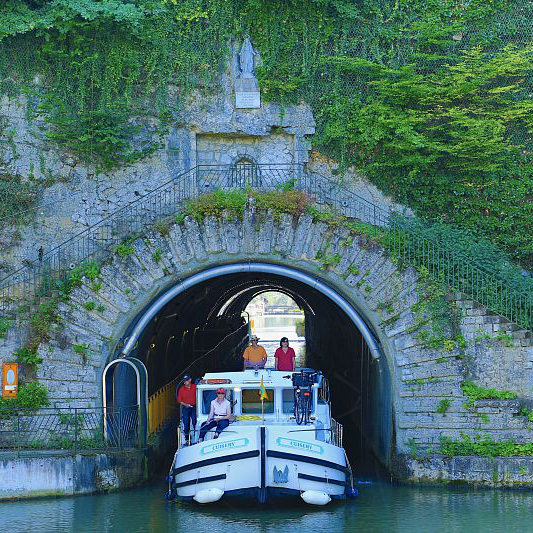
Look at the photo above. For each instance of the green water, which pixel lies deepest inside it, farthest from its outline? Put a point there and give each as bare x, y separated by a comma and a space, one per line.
381, 507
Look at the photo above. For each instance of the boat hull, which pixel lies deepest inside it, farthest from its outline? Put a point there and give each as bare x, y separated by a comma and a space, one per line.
260, 462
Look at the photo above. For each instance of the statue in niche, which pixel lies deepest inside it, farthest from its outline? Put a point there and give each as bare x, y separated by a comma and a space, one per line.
246, 59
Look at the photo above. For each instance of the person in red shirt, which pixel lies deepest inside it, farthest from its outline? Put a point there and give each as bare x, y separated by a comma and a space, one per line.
284, 356
187, 401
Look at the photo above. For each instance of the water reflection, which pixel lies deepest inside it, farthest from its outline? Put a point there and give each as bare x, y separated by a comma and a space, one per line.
381, 507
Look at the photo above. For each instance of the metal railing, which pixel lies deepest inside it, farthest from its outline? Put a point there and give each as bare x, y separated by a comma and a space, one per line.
162, 406
336, 433
410, 245
69, 428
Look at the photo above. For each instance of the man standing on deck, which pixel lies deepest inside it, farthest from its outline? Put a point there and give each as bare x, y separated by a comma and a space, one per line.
255, 356
187, 400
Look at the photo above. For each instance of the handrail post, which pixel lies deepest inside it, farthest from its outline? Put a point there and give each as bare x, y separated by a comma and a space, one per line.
75, 428
19, 440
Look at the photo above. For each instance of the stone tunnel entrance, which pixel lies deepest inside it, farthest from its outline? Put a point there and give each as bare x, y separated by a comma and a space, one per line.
201, 328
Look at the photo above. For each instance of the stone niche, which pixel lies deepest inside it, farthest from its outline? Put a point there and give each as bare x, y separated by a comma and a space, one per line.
227, 149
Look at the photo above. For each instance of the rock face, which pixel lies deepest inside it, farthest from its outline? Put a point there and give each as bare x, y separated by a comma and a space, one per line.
206, 130
73, 196
421, 377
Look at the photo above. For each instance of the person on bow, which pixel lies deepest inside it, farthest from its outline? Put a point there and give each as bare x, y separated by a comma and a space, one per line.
255, 355
284, 356
187, 400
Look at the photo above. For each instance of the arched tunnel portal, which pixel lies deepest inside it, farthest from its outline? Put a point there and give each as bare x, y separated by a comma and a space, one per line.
180, 329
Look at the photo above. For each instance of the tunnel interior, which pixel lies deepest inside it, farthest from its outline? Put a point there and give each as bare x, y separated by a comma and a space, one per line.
205, 328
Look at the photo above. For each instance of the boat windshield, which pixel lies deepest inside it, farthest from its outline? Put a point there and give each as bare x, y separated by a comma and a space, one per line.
251, 402
209, 395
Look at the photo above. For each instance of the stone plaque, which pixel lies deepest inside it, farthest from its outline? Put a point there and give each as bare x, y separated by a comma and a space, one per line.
247, 100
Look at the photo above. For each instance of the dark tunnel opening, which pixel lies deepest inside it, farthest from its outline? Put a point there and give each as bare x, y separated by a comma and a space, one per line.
204, 329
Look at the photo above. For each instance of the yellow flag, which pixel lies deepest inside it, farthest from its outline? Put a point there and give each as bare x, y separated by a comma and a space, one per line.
263, 393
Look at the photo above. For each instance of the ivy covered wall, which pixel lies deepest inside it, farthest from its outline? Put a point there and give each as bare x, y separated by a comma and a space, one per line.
431, 99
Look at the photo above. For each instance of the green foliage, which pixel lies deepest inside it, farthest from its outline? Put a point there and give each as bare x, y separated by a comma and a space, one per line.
353, 270
100, 308
106, 67
90, 306
28, 355
5, 324
124, 249
443, 405
96, 286
506, 339
87, 269
30, 396
157, 255
80, 348
17, 196
216, 203
424, 97
483, 446
526, 412
474, 392
328, 260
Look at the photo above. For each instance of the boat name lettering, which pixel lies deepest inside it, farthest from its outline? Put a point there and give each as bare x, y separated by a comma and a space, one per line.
301, 445
221, 446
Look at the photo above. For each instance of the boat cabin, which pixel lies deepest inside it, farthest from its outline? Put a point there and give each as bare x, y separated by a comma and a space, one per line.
243, 392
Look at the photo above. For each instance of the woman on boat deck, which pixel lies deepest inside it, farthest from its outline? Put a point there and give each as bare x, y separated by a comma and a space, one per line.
284, 356
219, 415
255, 356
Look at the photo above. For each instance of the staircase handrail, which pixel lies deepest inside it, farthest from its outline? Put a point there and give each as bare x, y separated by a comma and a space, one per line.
457, 270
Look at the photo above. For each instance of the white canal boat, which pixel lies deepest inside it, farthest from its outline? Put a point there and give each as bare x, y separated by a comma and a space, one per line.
287, 445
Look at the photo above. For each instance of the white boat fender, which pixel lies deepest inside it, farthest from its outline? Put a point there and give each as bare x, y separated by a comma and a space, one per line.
208, 495
315, 497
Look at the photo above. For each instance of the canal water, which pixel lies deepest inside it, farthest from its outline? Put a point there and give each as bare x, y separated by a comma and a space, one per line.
381, 507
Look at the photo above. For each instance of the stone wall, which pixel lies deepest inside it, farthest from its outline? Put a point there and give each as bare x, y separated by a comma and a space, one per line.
421, 377
275, 148
63, 474
73, 195
497, 472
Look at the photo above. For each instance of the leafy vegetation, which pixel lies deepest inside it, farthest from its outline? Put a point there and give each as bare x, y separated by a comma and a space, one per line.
216, 203
427, 98
473, 392
484, 446
30, 396
5, 323
443, 405
45, 318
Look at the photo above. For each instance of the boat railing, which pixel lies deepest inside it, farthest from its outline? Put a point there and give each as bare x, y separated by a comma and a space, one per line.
336, 432
323, 391
180, 436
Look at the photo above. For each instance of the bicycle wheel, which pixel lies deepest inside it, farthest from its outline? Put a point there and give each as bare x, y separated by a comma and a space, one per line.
306, 408
299, 411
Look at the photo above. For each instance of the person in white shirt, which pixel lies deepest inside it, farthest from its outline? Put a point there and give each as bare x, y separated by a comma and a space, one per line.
219, 415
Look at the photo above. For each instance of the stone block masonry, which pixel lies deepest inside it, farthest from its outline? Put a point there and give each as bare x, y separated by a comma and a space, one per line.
427, 398
63, 474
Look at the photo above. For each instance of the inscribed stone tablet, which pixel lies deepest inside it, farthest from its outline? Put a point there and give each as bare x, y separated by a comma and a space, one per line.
248, 100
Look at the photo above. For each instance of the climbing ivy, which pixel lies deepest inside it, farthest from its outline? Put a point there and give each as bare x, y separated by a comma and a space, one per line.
46, 317
425, 97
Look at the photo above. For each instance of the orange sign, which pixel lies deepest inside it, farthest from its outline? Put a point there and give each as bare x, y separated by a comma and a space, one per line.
10, 380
